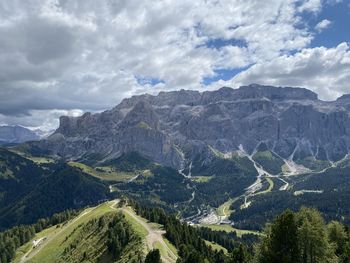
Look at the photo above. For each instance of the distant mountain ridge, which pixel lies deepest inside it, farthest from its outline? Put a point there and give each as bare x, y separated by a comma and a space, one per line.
174, 128
16, 134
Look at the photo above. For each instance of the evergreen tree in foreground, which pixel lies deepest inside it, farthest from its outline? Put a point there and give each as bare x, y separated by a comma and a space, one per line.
281, 241
240, 255
339, 236
153, 257
303, 237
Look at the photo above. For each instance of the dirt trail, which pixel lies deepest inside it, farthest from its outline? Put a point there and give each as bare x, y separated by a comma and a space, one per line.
154, 236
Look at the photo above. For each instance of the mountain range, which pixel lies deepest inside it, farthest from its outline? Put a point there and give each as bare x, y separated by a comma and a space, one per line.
16, 134
174, 128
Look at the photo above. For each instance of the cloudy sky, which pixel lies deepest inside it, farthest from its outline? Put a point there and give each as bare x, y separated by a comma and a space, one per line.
61, 57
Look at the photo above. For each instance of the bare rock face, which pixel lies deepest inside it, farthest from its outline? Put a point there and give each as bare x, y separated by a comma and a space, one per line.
175, 127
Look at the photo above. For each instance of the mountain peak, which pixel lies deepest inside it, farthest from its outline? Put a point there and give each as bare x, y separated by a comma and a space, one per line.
345, 97
16, 134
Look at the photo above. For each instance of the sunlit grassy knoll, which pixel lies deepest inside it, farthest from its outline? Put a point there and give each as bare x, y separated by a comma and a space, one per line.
40, 160
103, 173
229, 228
224, 209
216, 246
201, 179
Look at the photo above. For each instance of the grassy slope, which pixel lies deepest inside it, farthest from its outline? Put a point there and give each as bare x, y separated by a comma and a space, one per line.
271, 162
228, 229
149, 232
104, 173
38, 160
216, 246
224, 209
314, 164
51, 249
59, 237
201, 179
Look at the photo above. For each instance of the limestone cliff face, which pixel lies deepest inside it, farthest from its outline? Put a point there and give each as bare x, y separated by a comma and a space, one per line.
175, 127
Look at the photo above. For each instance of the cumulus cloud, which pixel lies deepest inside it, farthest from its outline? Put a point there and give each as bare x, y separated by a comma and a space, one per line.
59, 55
310, 5
323, 70
324, 24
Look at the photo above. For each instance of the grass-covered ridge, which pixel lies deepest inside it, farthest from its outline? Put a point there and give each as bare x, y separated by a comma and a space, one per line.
107, 173
109, 232
97, 234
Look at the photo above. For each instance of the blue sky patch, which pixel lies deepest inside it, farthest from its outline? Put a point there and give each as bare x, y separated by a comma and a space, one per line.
222, 74
338, 31
217, 43
145, 80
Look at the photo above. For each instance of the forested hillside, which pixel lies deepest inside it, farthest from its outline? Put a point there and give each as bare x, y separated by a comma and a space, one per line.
29, 191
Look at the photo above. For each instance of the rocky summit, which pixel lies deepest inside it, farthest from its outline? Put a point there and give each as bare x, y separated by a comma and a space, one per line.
174, 128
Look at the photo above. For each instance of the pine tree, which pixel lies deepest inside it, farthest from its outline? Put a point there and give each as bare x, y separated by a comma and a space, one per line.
301, 237
240, 255
339, 237
153, 256
313, 240
280, 243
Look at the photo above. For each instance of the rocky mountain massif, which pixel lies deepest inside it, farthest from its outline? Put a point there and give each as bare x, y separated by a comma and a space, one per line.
16, 134
174, 128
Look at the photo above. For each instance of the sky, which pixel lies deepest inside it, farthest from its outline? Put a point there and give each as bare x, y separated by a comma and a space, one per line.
65, 57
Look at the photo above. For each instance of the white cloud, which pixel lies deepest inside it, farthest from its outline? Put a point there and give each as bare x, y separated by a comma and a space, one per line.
310, 5
87, 54
324, 24
47, 120
323, 70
